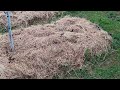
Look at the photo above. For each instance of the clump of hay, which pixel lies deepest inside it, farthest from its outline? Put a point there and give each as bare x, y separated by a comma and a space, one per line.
27, 18
41, 50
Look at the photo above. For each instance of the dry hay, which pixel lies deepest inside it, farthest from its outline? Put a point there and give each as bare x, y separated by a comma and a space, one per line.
41, 50
27, 18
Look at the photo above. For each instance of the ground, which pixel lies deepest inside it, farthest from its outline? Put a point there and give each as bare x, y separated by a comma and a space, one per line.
106, 65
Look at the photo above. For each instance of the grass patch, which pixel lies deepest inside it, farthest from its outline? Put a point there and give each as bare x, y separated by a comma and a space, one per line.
2, 30
106, 65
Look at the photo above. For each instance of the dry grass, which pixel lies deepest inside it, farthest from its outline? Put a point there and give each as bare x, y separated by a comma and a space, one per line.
41, 50
27, 18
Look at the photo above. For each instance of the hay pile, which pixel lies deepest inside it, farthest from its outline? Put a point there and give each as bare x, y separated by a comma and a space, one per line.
27, 18
41, 50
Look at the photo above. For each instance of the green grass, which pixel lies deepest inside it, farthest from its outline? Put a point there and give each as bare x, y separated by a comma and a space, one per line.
2, 30
107, 65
